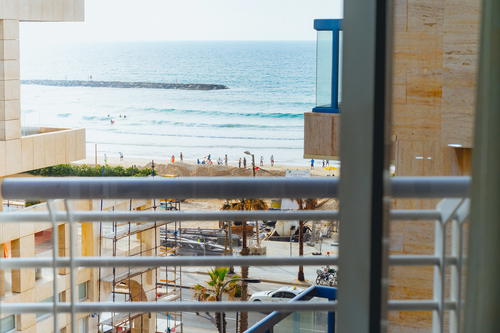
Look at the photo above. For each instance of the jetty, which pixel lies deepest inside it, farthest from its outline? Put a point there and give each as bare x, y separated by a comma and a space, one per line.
123, 84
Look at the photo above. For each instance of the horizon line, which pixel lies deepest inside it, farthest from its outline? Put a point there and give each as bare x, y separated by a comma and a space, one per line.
170, 40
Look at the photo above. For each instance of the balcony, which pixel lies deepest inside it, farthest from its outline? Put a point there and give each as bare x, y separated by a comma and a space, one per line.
322, 125
41, 147
447, 260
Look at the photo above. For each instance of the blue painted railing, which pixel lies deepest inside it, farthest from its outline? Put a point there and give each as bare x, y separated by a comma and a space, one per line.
266, 325
335, 26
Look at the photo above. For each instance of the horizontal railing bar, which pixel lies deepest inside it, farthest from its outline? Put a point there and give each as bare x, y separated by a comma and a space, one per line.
44, 188
415, 214
143, 261
200, 216
430, 187
13, 263
106, 216
420, 260
124, 307
418, 305
179, 188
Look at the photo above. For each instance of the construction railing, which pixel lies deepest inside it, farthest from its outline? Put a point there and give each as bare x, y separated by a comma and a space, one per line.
451, 212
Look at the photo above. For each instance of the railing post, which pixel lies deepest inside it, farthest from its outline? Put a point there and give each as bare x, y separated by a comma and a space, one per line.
483, 289
454, 325
438, 292
449, 209
365, 130
331, 322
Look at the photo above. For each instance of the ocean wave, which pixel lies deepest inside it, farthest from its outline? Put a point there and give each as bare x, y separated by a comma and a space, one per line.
219, 125
232, 125
95, 118
275, 115
208, 136
63, 115
177, 145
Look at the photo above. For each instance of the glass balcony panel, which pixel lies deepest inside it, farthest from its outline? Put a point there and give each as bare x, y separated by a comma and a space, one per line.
324, 69
341, 39
305, 321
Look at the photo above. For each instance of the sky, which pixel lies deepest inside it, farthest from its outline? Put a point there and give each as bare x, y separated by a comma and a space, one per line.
152, 20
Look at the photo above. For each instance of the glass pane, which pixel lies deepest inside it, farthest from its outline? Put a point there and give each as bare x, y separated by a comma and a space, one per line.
324, 68
341, 39
303, 322
7, 324
40, 316
82, 291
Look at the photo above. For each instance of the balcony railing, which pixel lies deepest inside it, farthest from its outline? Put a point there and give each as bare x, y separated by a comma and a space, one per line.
448, 250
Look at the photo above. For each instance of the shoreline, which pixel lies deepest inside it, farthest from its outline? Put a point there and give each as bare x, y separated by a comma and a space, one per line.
191, 168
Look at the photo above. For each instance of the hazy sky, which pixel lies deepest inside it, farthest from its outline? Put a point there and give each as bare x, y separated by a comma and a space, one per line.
131, 20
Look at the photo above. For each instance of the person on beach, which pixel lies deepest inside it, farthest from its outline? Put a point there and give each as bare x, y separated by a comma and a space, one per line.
198, 161
239, 163
172, 159
272, 160
181, 157
323, 163
261, 160
225, 159
121, 156
312, 164
244, 162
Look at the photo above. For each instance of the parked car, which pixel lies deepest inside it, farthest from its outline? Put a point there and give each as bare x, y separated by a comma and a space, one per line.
283, 294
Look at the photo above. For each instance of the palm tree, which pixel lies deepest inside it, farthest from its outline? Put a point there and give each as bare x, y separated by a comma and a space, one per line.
214, 289
245, 204
305, 204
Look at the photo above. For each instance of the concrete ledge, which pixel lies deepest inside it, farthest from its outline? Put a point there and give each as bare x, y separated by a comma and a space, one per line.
48, 147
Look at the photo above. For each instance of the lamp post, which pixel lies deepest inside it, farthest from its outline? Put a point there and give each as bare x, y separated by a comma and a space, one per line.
253, 161
245, 252
219, 297
253, 172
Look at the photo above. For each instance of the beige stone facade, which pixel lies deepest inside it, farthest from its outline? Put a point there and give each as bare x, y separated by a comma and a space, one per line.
46, 147
27, 149
434, 79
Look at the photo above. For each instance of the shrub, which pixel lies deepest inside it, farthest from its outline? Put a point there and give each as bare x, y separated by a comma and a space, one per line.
69, 170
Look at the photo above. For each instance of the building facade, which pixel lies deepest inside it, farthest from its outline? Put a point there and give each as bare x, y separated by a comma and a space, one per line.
434, 67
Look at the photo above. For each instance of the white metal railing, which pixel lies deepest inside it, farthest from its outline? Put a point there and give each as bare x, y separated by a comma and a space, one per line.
450, 212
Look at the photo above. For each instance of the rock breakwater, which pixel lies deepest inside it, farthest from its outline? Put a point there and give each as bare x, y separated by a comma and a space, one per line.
122, 84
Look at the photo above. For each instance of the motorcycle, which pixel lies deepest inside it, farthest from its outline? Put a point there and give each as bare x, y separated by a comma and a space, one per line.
326, 276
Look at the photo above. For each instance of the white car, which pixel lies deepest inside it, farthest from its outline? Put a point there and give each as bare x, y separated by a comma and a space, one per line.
283, 294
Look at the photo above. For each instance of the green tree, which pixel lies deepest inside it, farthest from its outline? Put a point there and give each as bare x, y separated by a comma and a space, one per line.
213, 290
247, 204
305, 204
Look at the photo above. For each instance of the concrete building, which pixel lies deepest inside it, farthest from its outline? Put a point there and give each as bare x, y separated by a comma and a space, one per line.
435, 56
23, 149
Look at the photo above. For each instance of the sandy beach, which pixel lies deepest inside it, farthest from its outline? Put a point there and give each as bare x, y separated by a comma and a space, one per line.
192, 169
189, 168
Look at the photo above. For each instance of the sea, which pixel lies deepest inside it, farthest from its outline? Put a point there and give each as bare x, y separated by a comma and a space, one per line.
271, 85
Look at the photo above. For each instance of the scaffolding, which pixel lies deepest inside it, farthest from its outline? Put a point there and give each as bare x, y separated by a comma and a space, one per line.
138, 284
